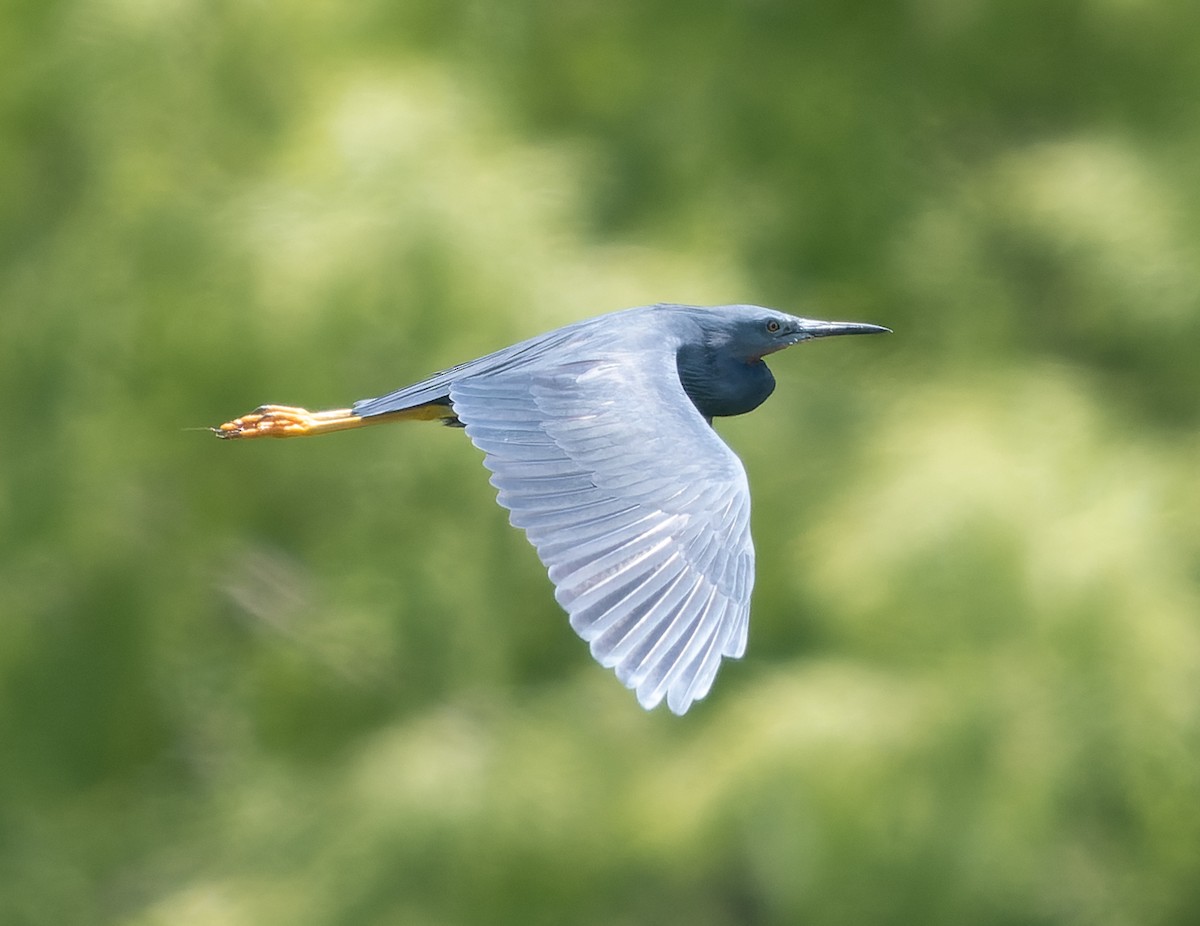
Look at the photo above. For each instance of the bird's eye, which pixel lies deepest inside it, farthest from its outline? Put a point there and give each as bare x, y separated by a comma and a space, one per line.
772, 326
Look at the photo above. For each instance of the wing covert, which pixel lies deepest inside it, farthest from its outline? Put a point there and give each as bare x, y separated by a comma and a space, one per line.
637, 508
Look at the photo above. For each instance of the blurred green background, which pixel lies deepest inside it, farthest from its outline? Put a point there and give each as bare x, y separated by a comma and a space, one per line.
326, 683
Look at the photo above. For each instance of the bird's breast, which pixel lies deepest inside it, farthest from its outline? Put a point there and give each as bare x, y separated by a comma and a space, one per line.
720, 385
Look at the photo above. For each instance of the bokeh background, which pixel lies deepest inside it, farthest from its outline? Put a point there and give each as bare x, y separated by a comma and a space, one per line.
326, 683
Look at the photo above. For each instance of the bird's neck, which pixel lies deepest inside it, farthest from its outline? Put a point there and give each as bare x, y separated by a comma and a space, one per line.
720, 384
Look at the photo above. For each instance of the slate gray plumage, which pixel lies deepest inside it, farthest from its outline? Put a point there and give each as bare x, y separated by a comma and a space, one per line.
599, 439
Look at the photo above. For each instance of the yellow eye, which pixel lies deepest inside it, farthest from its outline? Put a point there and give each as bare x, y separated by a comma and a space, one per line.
772, 326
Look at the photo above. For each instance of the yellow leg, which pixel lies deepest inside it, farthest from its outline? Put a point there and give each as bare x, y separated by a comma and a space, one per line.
286, 421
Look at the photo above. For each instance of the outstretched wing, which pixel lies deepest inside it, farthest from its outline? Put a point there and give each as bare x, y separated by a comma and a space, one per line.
639, 511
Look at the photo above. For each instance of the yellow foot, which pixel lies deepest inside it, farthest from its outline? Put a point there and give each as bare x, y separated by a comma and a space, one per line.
285, 421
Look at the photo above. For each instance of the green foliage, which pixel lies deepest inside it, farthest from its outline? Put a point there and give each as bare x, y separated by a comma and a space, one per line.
326, 683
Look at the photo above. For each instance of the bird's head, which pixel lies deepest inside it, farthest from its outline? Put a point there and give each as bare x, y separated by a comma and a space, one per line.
751, 332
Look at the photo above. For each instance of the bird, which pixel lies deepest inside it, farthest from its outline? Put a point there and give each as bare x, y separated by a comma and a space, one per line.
600, 441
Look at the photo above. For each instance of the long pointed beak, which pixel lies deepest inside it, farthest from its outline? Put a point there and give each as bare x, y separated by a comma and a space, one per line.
818, 329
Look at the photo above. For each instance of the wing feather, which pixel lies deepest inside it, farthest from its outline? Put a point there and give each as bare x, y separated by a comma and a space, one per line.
639, 511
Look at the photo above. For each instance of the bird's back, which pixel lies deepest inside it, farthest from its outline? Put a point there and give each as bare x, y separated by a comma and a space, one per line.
641, 328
